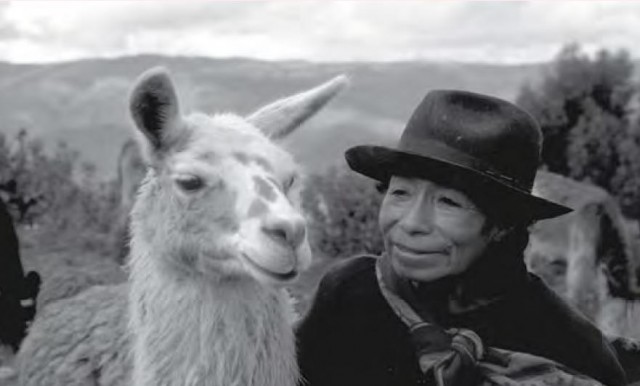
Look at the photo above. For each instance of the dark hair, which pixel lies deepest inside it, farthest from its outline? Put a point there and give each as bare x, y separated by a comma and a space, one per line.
382, 186
512, 244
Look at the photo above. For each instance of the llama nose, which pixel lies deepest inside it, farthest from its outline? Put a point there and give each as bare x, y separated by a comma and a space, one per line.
285, 231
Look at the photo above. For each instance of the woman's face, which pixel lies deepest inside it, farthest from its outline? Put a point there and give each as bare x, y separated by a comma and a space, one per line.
431, 231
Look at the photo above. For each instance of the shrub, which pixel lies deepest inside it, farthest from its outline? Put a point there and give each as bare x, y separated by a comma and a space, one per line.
53, 191
343, 208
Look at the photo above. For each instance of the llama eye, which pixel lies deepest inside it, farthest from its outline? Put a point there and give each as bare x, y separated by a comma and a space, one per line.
190, 183
289, 183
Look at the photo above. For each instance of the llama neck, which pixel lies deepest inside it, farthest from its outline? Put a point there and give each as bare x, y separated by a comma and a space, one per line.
199, 332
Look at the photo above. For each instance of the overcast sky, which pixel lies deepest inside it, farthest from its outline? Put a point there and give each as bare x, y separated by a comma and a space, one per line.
449, 30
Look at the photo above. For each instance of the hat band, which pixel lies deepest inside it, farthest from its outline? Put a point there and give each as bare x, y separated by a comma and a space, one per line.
440, 151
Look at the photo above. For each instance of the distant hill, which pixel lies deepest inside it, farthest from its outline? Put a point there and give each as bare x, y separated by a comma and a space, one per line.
84, 102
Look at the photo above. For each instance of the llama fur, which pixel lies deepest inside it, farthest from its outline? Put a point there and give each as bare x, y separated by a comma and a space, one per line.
72, 280
81, 340
242, 333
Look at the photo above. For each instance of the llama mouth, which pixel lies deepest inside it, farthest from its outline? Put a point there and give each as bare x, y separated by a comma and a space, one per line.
278, 276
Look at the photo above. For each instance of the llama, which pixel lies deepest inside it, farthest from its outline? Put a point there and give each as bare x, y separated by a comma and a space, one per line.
598, 252
216, 231
130, 172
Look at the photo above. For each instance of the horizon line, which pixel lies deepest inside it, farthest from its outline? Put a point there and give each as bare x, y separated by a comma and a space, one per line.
284, 60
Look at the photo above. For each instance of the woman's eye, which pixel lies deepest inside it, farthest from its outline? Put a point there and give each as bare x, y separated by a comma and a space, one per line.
397, 192
450, 202
190, 183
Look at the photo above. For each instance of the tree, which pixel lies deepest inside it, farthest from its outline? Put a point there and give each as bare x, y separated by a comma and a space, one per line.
584, 107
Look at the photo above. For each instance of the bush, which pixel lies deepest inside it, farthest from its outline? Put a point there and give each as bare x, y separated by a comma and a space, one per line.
55, 192
588, 112
343, 208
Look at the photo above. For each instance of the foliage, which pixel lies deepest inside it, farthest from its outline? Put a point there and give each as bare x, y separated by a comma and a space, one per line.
53, 191
343, 209
585, 109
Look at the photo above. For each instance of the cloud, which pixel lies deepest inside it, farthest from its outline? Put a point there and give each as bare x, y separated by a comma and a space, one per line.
7, 29
502, 31
104, 28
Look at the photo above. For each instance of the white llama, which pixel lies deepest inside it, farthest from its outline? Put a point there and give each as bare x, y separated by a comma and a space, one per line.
213, 223
216, 230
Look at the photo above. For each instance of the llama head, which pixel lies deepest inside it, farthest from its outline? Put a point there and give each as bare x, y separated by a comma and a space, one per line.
221, 198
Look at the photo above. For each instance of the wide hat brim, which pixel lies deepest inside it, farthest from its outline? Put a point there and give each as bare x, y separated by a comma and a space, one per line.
380, 163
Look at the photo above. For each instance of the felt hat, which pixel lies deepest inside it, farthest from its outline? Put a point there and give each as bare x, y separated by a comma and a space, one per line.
482, 140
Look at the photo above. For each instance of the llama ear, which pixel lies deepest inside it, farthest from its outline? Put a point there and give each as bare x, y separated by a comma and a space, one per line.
154, 106
282, 117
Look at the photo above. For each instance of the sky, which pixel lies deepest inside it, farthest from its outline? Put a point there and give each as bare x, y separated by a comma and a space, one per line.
507, 32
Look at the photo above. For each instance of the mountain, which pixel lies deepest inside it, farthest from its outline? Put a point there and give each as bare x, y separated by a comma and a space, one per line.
84, 102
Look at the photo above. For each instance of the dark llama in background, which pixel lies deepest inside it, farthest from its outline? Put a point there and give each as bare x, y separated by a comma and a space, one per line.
17, 292
216, 231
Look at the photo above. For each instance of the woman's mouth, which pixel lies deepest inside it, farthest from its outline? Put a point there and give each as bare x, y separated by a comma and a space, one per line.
417, 252
412, 259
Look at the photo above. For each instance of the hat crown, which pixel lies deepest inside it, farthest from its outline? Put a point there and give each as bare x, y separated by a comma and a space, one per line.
490, 135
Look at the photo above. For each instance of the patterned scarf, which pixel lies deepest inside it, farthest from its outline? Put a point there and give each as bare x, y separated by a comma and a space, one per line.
457, 356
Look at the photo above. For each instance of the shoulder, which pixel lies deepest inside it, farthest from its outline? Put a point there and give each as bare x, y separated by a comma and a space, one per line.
550, 313
561, 328
349, 271
347, 282
541, 300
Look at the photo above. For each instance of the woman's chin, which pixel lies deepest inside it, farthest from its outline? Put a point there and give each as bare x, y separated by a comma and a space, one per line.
423, 273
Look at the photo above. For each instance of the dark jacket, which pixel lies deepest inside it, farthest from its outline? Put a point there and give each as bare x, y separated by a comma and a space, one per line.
352, 337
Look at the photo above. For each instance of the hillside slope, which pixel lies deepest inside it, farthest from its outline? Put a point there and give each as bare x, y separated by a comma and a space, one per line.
84, 102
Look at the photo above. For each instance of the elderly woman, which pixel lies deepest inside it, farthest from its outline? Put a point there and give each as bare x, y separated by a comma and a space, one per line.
450, 301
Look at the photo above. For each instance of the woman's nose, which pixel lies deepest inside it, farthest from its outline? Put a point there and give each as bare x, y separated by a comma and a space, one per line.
419, 217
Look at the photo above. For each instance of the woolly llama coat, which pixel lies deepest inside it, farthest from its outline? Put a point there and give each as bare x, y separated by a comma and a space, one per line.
82, 340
